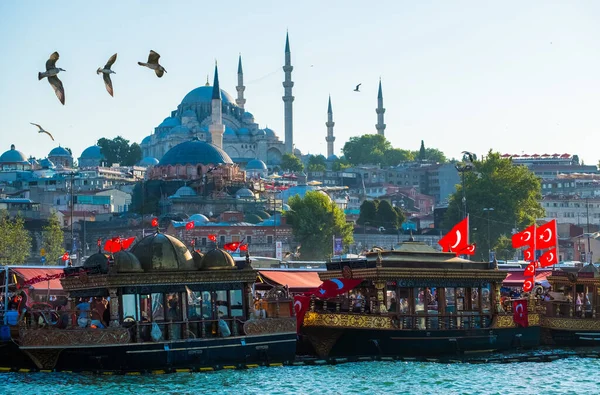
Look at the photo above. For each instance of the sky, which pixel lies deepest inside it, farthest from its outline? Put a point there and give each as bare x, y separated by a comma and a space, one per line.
512, 76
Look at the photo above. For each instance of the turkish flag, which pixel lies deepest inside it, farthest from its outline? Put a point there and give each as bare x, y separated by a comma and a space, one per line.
65, 256
244, 247
520, 312
457, 239
301, 305
546, 236
113, 245
528, 284
549, 258
154, 222
468, 250
126, 243
232, 246
524, 238
528, 254
529, 270
190, 225
336, 286
212, 238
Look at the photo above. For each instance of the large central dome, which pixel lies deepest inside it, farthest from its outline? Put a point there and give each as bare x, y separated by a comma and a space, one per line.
195, 152
203, 94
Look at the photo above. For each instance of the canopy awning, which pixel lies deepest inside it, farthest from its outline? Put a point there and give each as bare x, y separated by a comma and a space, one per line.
28, 274
515, 279
300, 281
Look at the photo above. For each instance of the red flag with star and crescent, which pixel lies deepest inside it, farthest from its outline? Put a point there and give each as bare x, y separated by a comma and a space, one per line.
301, 304
546, 236
528, 254
336, 286
457, 239
525, 238
520, 312
468, 250
548, 258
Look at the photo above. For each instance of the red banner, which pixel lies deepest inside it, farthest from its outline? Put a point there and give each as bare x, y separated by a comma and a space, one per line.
301, 305
520, 312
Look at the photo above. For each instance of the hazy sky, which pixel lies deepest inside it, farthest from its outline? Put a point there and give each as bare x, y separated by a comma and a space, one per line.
514, 76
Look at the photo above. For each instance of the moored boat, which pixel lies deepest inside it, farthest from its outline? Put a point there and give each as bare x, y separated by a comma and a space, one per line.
156, 307
416, 301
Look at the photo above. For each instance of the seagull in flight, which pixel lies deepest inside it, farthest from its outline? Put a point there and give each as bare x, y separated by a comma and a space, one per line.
469, 155
153, 64
41, 130
357, 89
51, 73
106, 72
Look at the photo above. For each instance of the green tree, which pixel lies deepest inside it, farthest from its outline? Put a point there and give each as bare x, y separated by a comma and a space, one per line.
430, 154
119, 151
316, 163
422, 152
512, 191
53, 239
291, 162
315, 220
366, 149
340, 164
15, 240
368, 212
395, 156
387, 216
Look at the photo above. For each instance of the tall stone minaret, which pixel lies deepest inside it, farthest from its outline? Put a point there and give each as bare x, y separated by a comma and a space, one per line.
288, 99
380, 111
240, 88
330, 124
216, 127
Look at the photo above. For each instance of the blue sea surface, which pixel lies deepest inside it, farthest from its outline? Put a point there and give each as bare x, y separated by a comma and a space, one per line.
565, 376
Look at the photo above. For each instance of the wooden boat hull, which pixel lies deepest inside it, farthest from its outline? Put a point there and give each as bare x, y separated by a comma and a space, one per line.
571, 332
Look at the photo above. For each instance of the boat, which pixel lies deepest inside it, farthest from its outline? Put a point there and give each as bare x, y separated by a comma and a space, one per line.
571, 307
156, 307
415, 301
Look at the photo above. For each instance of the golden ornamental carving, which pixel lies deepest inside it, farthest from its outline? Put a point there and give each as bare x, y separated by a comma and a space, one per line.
341, 320
506, 320
399, 273
72, 337
324, 340
572, 324
44, 359
270, 325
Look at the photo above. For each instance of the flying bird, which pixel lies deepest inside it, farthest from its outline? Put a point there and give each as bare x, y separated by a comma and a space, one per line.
357, 89
153, 64
41, 130
51, 73
469, 155
106, 72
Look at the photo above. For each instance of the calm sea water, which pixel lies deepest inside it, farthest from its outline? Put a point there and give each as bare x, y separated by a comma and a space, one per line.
565, 376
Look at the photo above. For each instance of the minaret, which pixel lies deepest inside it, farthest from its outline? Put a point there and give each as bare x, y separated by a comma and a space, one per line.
216, 127
288, 98
240, 88
380, 111
330, 124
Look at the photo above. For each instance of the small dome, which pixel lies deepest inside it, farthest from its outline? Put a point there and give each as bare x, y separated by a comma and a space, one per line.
244, 193
243, 131
589, 268
188, 113
161, 252
256, 164
203, 94
195, 152
47, 164
332, 158
299, 190
269, 132
60, 151
199, 218
126, 262
260, 132
148, 161
229, 132
180, 129
170, 122
93, 152
197, 256
248, 115
185, 191
263, 214
13, 156
252, 218
147, 140
285, 207
217, 259
97, 260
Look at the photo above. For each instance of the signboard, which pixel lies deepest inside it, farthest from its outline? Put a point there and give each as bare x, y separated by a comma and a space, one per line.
338, 246
279, 250
43, 252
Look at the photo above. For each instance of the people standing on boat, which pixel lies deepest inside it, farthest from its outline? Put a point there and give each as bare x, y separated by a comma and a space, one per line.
578, 304
84, 312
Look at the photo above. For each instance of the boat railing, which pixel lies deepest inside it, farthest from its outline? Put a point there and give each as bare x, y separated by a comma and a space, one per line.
182, 330
462, 320
567, 309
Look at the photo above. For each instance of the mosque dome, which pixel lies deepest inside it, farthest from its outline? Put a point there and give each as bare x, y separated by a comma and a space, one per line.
179, 129
194, 152
47, 164
244, 193
217, 259
13, 156
197, 256
161, 252
252, 218
299, 190
126, 262
260, 132
188, 113
203, 94
59, 151
229, 132
286, 207
256, 164
148, 161
248, 115
97, 260
93, 152
170, 122
199, 218
269, 132
147, 140
332, 158
185, 191
262, 214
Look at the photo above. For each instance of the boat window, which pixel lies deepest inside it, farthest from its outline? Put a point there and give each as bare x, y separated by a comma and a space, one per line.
460, 299
419, 299
485, 298
158, 309
475, 298
588, 301
450, 302
431, 298
403, 298
237, 309
145, 307
222, 303
207, 306
173, 307
194, 305
130, 308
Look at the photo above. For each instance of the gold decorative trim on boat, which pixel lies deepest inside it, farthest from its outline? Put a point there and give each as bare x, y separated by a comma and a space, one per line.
270, 325
72, 337
348, 321
506, 321
571, 324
